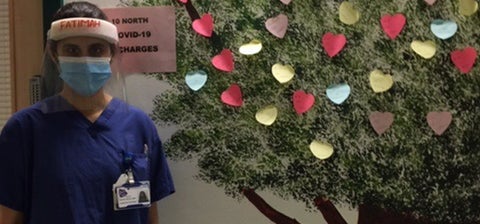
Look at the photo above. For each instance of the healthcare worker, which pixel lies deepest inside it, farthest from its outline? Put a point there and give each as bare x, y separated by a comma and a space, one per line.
83, 155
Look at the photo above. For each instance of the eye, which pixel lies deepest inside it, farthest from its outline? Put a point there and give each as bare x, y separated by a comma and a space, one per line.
71, 50
98, 50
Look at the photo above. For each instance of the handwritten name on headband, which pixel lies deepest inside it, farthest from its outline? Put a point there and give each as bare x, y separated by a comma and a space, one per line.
90, 23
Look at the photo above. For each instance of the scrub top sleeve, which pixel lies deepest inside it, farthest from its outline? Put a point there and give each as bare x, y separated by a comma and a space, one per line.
161, 180
13, 167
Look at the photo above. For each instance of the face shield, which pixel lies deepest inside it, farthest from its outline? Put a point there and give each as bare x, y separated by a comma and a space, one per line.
81, 65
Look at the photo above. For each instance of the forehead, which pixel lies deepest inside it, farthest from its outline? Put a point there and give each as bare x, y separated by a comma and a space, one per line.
82, 41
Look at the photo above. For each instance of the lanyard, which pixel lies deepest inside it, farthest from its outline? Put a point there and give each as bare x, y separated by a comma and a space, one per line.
128, 163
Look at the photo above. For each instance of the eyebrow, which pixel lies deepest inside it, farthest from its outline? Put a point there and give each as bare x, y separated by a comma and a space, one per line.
69, 45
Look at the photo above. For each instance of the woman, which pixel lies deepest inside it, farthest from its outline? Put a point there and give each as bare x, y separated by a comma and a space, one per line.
82, 155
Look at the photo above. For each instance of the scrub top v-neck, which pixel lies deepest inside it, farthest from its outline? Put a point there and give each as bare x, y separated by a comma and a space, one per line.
64, 165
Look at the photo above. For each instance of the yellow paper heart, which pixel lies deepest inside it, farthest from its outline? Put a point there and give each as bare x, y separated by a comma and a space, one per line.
267, 115
426, 49
253, 47
321, 150
348, 14
468, 7
380, 82
283, 73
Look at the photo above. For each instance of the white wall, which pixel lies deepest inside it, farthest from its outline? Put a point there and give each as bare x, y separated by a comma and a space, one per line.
196, 202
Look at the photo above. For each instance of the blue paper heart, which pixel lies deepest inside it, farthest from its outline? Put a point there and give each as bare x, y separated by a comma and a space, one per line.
338, 93
196, 79
443, 29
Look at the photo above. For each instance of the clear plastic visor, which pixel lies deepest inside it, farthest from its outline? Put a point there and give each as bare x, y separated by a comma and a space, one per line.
81, 73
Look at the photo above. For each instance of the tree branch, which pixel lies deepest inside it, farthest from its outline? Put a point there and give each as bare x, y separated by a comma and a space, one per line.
328, 210
272, 214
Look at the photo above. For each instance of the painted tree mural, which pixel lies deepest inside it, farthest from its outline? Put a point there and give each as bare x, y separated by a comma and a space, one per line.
371, 103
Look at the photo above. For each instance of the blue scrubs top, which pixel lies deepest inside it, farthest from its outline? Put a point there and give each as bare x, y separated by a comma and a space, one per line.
58, 167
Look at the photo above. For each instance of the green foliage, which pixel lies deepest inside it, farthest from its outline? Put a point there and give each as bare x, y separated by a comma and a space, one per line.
408, 168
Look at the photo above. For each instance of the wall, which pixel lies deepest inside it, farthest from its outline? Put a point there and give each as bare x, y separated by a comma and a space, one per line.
198, 202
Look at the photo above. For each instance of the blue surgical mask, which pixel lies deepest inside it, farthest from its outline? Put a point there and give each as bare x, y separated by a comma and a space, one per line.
85, 75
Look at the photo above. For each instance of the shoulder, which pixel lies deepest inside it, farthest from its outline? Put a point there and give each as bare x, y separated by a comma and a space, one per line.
132, 113
27, 114
33, 114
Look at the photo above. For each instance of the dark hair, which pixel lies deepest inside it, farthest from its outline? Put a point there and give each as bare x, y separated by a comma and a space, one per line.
79, 9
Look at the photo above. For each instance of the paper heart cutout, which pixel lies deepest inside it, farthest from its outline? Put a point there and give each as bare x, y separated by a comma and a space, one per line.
393, 25
286, 2
338, 93
251, 48
467, 7
232, 96
224, 61
348, 14
183, 1
333, 44
380, 82
277, 25
321, 150
196, 79
302, 102
430, 2
439, 121
204, 25
283, 73
443, 29
381, 121
267, 115
464, 59
426, 49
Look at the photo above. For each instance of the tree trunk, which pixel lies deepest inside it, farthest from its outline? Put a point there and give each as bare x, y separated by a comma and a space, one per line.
329, 211
272, 214
368, 214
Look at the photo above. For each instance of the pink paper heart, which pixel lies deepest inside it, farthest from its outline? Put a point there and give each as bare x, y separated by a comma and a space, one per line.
439, 121
286, 2
333, 44
232, 96
224, 61
277, 25
430, 2
302, 102
183, 1
381, 121
204, 25
464, 59
393, 25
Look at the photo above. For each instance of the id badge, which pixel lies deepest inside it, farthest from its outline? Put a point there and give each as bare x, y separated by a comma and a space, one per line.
132, 196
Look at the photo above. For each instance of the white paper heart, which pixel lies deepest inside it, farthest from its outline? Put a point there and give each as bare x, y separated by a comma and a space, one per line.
196, 79
338, 93
443, 29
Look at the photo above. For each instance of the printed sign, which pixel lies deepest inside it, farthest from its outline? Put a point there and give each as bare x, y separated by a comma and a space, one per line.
147, 38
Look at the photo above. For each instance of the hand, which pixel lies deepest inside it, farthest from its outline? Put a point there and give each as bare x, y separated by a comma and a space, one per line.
10, 216
152, 214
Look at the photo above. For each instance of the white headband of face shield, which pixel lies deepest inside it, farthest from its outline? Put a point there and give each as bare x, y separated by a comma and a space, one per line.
82, 26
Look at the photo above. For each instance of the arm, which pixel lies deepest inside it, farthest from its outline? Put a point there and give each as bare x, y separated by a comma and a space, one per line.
152, 214
9, 216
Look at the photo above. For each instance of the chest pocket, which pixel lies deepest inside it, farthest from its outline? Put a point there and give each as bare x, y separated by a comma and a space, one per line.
140, 163
141, 168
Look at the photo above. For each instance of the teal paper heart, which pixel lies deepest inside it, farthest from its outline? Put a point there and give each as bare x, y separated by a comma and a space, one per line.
338, 93
443, 29
196, 79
